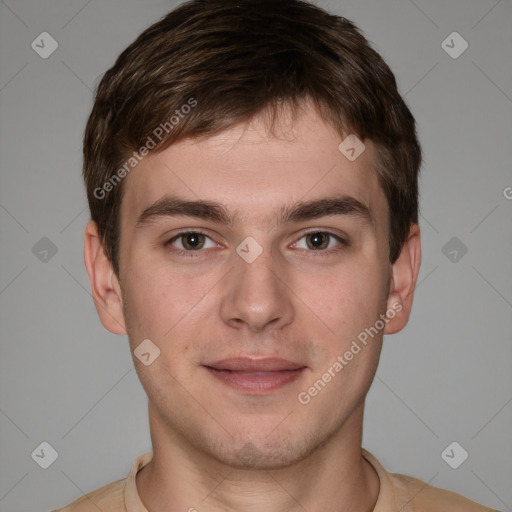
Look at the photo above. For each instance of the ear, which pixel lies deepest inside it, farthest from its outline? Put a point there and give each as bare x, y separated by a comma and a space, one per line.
106, 291
404, 274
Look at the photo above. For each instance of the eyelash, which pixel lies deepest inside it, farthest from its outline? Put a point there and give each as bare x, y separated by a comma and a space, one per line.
181, 252
343, 243
192, 254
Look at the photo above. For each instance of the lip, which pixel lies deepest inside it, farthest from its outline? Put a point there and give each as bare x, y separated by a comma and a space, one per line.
255, 376
251, 364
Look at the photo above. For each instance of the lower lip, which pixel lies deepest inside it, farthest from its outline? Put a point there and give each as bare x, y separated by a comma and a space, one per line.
256, 382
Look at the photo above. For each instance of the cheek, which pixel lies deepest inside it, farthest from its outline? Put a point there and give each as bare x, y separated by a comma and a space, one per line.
151, 303
349, 299
172, 310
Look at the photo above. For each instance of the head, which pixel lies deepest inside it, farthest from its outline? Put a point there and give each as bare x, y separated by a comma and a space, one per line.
226, 120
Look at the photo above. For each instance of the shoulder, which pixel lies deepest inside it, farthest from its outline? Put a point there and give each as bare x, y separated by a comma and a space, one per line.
419, 496
113, 497
109, 497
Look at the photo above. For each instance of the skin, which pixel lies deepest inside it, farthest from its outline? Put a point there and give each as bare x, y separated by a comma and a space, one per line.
217, 448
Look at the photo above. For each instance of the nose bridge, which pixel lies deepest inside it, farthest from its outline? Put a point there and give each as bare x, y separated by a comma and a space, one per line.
261, 272
256, 296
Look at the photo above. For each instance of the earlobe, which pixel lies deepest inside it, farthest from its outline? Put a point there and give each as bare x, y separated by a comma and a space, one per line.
403, 282
105, 288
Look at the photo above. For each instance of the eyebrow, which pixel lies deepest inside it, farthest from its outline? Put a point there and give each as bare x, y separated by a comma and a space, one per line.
171, 206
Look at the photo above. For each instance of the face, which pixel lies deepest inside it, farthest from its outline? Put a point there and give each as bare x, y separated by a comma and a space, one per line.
258, 293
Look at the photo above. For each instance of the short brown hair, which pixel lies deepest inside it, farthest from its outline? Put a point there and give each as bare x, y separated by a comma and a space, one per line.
232, 60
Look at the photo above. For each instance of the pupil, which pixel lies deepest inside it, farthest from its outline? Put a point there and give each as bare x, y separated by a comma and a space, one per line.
193, 240
317, 240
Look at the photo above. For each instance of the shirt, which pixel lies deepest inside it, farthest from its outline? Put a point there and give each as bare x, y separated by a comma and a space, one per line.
398, 493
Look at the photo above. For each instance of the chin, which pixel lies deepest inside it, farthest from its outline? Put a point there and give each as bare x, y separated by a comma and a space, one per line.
263, 451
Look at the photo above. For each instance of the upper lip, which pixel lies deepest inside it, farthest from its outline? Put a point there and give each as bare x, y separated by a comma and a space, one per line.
249, 364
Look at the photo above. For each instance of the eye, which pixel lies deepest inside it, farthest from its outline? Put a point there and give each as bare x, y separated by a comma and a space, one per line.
319, 241
191, 241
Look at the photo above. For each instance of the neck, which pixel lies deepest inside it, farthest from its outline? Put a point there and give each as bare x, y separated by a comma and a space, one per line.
333, 477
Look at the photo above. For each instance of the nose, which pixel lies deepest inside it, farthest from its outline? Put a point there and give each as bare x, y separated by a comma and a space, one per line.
256, 296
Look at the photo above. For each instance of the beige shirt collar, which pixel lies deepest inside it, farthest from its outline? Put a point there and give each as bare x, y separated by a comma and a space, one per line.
385, 500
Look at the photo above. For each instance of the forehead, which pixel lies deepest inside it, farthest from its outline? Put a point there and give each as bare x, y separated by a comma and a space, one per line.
254, 172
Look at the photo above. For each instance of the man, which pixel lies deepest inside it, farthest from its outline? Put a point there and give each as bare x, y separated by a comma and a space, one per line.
252, 176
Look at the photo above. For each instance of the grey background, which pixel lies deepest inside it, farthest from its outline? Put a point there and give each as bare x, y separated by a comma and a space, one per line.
447, 377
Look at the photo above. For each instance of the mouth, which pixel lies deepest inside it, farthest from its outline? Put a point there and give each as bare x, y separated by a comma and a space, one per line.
255, 376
